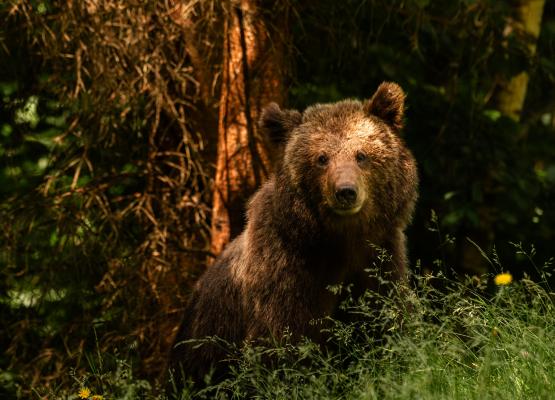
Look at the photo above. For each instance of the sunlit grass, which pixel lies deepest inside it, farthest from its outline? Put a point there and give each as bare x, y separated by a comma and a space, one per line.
460, 340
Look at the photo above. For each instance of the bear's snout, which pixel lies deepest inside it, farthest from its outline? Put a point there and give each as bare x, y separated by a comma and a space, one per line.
346, 195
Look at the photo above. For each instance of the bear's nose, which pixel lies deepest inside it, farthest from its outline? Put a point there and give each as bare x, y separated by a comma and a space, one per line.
346, 195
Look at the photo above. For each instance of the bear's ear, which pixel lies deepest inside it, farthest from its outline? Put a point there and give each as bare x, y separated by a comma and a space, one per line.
388, 103
278, 123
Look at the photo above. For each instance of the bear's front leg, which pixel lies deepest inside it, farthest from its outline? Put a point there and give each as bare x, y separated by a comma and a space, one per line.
292, 305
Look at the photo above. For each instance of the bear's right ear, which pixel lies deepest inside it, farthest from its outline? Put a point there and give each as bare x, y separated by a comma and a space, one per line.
278, 123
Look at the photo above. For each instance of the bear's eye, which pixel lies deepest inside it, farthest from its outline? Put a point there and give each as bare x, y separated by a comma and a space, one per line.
323, 159
361, 157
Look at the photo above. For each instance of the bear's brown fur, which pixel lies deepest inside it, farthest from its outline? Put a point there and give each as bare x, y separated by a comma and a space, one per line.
345, 180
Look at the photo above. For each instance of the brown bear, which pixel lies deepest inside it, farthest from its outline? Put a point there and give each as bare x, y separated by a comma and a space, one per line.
344, 180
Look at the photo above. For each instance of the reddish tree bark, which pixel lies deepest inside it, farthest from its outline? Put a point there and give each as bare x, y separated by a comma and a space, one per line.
252, 76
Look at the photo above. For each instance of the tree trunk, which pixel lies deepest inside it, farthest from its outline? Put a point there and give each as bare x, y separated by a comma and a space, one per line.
510, 100
528, 18
252, 76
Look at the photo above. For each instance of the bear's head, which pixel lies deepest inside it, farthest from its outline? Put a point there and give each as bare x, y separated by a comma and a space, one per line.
347, 158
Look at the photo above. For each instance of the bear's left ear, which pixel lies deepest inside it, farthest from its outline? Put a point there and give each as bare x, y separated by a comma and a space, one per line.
278, 123
388, 103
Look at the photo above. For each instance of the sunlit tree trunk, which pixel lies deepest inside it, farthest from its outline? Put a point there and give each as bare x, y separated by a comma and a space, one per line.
252, 75
528, 18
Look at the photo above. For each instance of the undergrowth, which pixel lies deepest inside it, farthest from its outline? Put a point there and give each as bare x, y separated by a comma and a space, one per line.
478, 338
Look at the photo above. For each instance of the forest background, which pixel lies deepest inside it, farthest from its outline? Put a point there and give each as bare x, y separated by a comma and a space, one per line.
129, 145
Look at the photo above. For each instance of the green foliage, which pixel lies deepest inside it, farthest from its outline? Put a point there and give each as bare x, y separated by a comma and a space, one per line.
109, 376
454, 343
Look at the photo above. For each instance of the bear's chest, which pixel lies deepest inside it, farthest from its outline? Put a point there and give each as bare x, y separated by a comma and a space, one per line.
337, 260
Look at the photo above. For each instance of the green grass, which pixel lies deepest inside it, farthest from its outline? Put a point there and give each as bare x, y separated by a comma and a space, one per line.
455, 343
460, 340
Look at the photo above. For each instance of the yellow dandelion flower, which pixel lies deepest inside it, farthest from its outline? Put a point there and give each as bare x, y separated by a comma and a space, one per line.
503, 279
84, 393
97, 397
